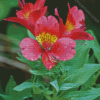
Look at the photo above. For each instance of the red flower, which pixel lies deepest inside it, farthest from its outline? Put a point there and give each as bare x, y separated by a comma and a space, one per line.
75, 25
53, 47
29, 14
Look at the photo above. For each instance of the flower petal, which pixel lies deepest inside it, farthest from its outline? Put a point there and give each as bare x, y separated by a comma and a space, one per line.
29, 7
61, 25
31, 49
39, 4
80, 16
47, 24
79, 34
47, 60
23, 1
52, 21
52, 25
20, 4
35, 15
70, 22
20, 14
22, 22
75, 16
73, 9
63, 49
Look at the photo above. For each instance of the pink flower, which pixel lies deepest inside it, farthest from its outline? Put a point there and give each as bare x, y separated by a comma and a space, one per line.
48, 45
29, 14
75, 25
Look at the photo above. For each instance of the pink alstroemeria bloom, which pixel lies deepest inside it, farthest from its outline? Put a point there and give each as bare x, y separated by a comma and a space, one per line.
75, 25
53, 47
29, 14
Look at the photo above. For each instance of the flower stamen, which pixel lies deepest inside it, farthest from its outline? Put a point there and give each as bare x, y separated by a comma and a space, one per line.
46, 37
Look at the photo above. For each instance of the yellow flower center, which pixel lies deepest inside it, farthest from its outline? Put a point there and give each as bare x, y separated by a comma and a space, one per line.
27, 14
46, 37
69, 26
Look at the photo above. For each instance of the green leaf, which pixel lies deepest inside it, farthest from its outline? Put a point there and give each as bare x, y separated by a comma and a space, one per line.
38, 97
55, 84
21, 95
62, 67
41, 72
66, 86
31, 35
16, 32
5, 9
36, 72
89, 83
23, 86
10, 85
36, 89
79, 60
92, 59
32, 64
5, 97
81, 75
48, 97
12, 3
94, 45
83, 95
47, 94
22, 59
13, 94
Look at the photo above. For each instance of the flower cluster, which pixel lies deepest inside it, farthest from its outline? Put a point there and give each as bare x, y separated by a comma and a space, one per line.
54, 40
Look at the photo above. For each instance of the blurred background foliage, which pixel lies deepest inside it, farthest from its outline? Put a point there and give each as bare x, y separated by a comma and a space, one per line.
12, 33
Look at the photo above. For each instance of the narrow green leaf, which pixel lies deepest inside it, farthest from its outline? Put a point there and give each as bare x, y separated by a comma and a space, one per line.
23, 86
66, 86
84, 73
36, 89
38, 97
20, 59
21, 95
30, 34
92, 59
48, 97
36, 72
79, 60
81, 75
94, 45
5, 97
55, 84
83, 95
10, 85
47, 94
32, 64
89, 83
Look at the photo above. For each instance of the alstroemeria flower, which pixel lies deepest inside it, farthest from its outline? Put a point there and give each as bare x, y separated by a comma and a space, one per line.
48, 44
75, 25
29, 14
